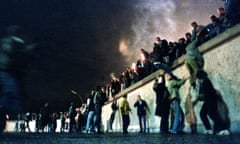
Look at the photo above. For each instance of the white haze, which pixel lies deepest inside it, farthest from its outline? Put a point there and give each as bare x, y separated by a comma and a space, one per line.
168, 19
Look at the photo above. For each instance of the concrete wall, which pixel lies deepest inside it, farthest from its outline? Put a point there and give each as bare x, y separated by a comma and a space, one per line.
221, 56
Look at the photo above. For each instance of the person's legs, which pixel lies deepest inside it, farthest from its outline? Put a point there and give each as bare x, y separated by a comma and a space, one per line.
89, 120
140, 123
125, 123
144, 120
98, 111
112, 119
192, 68
204, 118
177, 116
165, 119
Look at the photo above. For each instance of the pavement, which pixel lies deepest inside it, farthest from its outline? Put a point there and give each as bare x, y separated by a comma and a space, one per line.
115, 138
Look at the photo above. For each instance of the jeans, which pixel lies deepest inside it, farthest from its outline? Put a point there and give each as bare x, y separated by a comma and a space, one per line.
162, 66
97, 120
178, 122
89, 120
142, 122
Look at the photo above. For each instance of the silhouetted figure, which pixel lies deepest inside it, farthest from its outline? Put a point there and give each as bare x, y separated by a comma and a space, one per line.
27, 118
62, 119
99, 99
213, 107
72, 113
163, 103
114, 107
45, 116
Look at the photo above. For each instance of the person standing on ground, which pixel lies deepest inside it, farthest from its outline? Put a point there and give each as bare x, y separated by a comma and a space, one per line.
173, 86
142, 109
72, 113
125, 109
45, 116
162, 102
91, 112
114, 107
99, 99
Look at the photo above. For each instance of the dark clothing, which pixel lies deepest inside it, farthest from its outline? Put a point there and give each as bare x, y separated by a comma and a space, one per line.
116, 87
99, 99
90, 104
232, 11
126, 122
143, 69
141, 107
45, 116
72, 114
114, 109
157, 53
213, 106
163, 105
213, 30
141, 111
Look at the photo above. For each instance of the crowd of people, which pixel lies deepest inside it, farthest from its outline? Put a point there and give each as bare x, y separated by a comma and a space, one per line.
167, 86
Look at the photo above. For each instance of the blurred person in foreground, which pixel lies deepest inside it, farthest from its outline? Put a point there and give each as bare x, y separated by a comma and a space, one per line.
14, 58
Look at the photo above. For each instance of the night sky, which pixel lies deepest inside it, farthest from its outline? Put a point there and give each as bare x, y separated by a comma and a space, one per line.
80, 42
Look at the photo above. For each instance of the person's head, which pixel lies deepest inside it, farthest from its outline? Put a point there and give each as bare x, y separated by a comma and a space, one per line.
138, 97
158, 39
164, 43
167, 76
213, 19
181, 40
194, 24
188, 35
221, 11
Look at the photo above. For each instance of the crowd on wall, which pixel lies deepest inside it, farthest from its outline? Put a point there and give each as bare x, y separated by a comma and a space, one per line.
87, 119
